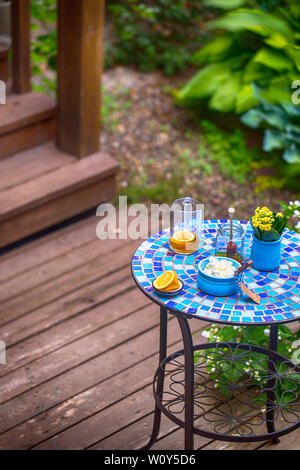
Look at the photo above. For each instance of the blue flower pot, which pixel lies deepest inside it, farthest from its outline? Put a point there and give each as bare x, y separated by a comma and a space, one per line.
217, 286
265, 255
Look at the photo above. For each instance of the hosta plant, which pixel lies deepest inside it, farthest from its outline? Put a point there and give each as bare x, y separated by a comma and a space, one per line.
250, 46
282, 126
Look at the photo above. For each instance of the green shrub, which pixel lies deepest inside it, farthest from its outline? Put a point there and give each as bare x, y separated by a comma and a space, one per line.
288, 346
154, 34
229, 151
150, 35
248, 68
283, 123
44, 46
251, 46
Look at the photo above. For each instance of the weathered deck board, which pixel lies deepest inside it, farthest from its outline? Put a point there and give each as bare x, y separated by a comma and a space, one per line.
82, 349
101, 265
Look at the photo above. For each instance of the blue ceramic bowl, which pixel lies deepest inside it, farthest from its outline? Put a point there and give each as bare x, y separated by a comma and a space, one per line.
220, 287
170, 293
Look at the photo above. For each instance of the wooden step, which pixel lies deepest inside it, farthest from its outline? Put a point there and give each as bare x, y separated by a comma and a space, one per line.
4, 63
26, 121
44, 186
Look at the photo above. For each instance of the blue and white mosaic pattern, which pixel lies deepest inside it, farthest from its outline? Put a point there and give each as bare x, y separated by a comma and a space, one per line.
279, 290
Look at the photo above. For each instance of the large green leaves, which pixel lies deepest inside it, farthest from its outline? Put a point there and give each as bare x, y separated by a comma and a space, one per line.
273, 116
292, 154
205, 82
225, 4
224, 98
249, 67
273, 140
276, 40
245, 98
283, 128
217, 49
259, 22
294, 53
274, 59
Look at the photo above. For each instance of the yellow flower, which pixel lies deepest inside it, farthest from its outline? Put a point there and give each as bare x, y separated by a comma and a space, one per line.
265, 227
280, 214
265, 211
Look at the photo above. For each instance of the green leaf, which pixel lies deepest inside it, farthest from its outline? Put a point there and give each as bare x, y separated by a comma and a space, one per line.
252, 118
271, 114
291, 109
224, 98
215, 50
225, 4
256, 232
293, 133
254, 335
296, 357
255, 72
294, 53
245, 99
273, 94
276, 40
259, 22
292, 154
273, 140
270, 236
205, 82
273, 59
285, 332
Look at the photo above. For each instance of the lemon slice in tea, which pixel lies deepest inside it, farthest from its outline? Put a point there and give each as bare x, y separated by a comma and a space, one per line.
184, 236
183, 241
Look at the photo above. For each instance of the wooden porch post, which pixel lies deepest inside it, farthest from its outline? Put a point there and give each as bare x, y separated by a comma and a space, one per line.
80, 38
20, 25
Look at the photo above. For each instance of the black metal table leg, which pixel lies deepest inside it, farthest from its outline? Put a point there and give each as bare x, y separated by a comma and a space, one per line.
271, 384
161, 376
189, 382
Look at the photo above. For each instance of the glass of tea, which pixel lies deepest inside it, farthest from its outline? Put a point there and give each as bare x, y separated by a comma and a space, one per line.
186, 225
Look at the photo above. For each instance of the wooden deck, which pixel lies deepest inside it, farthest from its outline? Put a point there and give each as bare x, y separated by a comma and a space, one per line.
82, 345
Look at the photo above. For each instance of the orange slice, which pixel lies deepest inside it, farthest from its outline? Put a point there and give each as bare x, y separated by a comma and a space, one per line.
173, 286
164, 280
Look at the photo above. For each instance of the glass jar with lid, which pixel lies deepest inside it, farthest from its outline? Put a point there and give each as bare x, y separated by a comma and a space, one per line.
230, 243
186, 225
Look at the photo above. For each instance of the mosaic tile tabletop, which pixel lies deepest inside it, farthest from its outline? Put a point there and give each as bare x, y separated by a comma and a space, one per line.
279, 290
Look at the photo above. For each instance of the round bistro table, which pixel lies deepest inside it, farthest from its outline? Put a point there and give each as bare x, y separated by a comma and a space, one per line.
195, 387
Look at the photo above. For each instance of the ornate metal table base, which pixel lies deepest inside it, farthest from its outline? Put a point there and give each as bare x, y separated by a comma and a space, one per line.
226, 391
